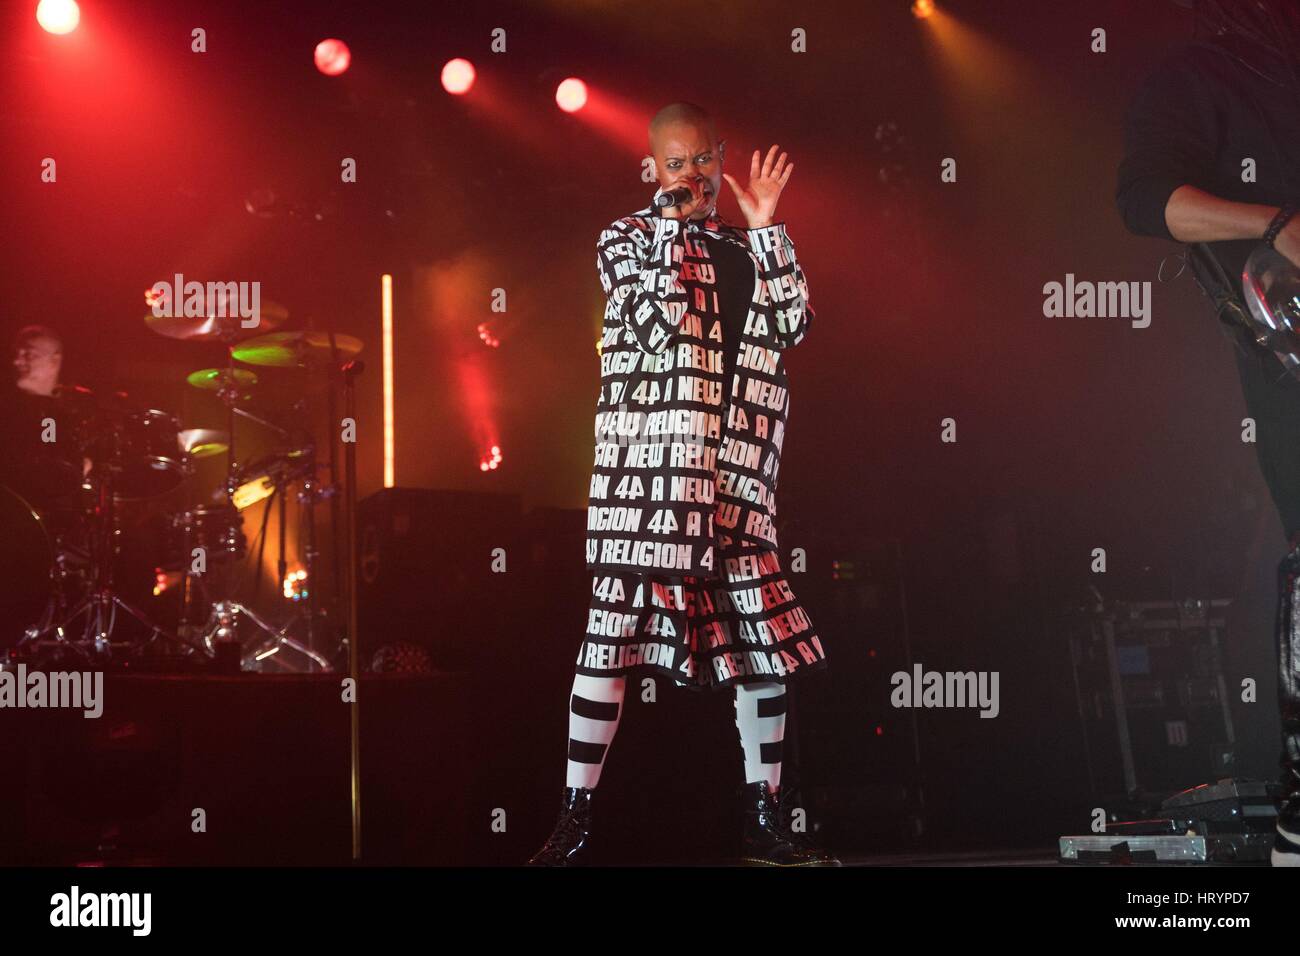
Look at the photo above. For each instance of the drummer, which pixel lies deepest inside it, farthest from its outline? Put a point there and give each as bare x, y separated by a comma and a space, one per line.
37, 360
37, 443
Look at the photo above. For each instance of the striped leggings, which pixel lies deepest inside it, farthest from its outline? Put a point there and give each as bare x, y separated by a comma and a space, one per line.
596, 705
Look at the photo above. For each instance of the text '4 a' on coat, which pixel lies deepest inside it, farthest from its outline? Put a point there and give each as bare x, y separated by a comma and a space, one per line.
670, 487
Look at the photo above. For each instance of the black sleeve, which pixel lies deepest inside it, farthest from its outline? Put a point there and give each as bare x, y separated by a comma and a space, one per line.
1170, 137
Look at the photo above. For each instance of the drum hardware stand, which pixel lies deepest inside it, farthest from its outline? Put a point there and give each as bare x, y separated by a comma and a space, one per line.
276, 638
223, 619
56, 608
101, 604
307, 496
223, 622
221, 627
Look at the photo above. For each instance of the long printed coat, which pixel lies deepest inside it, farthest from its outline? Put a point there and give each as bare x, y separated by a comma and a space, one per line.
670, 487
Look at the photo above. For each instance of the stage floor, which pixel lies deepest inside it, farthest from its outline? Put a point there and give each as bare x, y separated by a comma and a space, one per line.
1045, 857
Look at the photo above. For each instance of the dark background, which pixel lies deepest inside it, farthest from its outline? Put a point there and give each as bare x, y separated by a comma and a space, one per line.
1072, 433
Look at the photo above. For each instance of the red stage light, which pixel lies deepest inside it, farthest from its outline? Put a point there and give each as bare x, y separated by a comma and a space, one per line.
571, 95
58, 16
332, 57
922, 8
457, 76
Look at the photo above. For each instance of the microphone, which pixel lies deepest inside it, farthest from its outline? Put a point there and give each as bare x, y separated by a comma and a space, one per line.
676, 197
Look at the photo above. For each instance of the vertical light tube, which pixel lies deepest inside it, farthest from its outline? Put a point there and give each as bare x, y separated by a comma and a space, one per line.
389, 465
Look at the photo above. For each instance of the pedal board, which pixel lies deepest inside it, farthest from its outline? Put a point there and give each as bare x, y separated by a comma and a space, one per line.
1228, 821
1119, 849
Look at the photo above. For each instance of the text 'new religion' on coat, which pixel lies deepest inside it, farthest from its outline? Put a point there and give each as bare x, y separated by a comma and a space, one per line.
670, 488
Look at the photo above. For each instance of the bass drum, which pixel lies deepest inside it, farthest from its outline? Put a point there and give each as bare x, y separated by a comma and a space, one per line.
26, 560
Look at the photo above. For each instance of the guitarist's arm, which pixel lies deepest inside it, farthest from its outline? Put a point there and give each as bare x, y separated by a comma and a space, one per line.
1172, 134
1193, 215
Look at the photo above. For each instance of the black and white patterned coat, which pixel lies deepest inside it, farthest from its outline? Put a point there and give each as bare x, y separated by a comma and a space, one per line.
670, 485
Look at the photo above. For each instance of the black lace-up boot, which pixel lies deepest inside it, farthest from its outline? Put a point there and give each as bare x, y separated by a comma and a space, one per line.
570, 842
768, 839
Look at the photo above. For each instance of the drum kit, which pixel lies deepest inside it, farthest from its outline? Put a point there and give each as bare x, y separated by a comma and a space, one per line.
62, 594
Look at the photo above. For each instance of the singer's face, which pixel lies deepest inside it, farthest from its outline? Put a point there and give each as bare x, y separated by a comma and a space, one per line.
686, 151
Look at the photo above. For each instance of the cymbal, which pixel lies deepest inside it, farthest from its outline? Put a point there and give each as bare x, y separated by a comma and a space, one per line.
215, 328
215, 379
203, 442
286, 349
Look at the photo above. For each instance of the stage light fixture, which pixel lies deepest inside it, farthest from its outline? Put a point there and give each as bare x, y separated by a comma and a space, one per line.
922, 8
571, 95
457, 76
58, 16
332, 57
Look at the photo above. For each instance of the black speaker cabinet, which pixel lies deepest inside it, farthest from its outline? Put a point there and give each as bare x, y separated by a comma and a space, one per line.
437, 569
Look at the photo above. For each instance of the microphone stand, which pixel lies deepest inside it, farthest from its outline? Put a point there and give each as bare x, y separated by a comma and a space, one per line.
350, 372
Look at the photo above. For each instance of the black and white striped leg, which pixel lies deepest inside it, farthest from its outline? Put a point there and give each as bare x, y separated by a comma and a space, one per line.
595, 707
760, 718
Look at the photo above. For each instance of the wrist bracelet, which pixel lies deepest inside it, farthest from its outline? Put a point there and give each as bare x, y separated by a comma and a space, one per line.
1279, 222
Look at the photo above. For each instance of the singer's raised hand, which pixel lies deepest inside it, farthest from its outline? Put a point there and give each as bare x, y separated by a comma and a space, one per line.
758, 199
